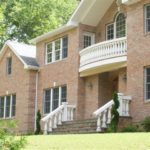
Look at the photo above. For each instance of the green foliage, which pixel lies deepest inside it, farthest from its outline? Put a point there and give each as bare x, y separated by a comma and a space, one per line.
146, 124
115, 114
23, 20
7, 137
38, 126
130, 128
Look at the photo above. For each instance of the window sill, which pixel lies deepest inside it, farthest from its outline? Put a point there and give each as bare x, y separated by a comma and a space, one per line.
56, 61
147, 101
7, 118
147, 34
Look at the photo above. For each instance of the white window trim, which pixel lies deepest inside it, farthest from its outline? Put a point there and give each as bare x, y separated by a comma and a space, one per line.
92, 35
53, 51
145, 18
10, 113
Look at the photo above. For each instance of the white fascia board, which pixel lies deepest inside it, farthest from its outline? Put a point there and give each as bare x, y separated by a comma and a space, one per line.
129, 2
29, 67
53, 33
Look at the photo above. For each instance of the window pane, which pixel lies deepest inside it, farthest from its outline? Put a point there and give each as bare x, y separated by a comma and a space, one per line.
7, 106
1, 107
57, 50
64, 94
13, 113
47, 101
55, 98
49, 52
120, 26
65, 47
110, 32
87, 41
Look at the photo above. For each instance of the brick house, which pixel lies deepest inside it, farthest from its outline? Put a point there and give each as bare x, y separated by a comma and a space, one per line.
103, 48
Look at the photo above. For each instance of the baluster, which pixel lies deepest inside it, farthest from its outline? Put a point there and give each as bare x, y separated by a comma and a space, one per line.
71, 118
99, 124
127, 108
104, 119
109, 115
45, 127
55, 122
50, 125
60, 118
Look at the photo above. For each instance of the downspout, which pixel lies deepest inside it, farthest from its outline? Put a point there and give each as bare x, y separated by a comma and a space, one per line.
36, 99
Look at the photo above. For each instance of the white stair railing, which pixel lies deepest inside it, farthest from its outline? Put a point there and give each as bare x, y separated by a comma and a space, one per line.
103, 114
63, 113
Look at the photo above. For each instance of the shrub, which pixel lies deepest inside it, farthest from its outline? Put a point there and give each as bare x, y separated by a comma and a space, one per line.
8, 140
130, 128
146, 124
115, 114
38, 125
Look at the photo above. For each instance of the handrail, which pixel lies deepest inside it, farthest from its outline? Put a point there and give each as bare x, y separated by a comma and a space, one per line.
104, 115
101, 109
63, 113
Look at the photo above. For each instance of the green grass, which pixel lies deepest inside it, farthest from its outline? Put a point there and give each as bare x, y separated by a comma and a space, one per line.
119, 141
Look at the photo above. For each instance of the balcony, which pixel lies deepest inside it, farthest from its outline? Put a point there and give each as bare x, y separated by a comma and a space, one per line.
104, 56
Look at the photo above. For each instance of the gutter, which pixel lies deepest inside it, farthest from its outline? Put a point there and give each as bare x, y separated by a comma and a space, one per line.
36, 99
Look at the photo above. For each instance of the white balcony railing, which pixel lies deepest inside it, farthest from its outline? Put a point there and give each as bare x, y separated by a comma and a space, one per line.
63, 113
102, 51
103, 114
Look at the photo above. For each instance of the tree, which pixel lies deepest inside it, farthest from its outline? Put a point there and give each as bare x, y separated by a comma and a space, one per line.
26, 19
38, 126
115, 114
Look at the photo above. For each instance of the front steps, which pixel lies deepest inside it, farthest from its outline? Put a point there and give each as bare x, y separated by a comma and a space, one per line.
76, 127
86, 126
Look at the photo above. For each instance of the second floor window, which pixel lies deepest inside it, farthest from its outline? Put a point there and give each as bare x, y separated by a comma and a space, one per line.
116, 29
147, 18
56, 50
89, 39
9, 65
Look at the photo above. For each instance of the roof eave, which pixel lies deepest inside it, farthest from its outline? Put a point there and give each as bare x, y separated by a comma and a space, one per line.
54, 32
29, 67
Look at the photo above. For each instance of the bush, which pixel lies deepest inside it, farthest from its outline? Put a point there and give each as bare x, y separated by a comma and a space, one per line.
38, 126
146, 124
115, 114
130, 128
7, 137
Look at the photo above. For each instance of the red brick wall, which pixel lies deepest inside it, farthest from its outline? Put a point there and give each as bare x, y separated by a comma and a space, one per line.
138, 58
21, 82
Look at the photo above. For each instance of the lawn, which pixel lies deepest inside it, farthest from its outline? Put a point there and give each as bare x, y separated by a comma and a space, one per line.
119, 141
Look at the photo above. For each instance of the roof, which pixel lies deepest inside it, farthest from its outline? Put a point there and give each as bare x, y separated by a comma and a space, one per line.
26, 53
53, 33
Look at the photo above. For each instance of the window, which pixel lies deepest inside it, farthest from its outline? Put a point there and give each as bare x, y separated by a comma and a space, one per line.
116, 29
120, 26
7, 106
57, 50
9, 65
53, 98
110, 31
147, 83
89, 39
147, 18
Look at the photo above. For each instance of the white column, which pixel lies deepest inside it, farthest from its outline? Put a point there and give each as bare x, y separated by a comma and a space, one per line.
45, 127
60, 118
65, 111
120, 109
99, 124
50, 125
109, 115
104, 119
